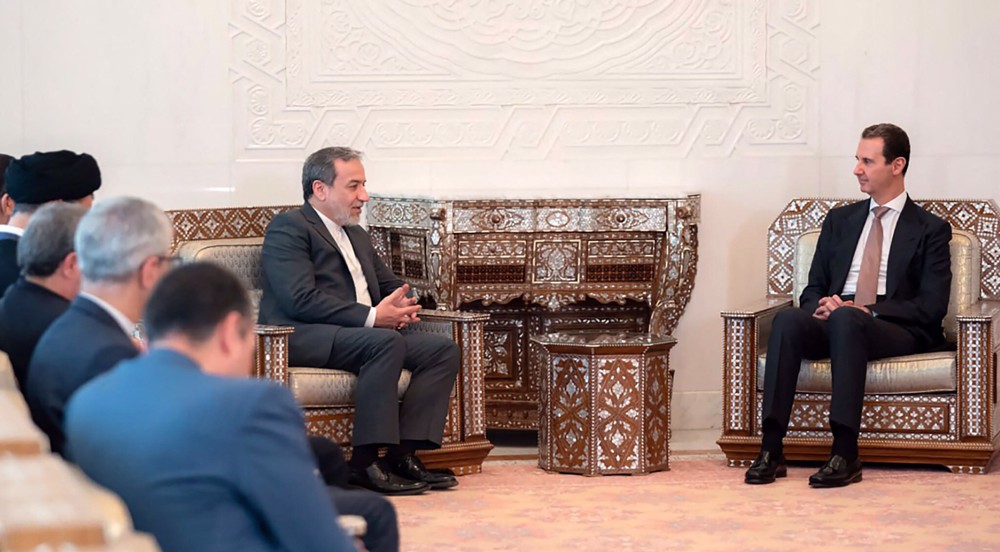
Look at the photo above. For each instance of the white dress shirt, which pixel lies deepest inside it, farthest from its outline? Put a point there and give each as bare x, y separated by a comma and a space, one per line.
127, 325
8, 229
889, 220
350, 257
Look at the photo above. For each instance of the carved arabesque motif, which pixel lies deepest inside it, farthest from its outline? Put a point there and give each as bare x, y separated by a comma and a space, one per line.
523, 78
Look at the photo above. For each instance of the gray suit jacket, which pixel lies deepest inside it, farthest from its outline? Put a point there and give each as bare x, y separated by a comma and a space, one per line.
307, 284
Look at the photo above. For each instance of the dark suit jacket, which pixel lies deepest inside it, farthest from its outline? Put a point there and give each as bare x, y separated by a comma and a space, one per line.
26, 311
307, 284
204, 463
9, 271
81, 344
918, 275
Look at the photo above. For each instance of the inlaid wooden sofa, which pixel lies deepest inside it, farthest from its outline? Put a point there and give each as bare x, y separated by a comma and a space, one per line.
47, 504
233, 237
933, 408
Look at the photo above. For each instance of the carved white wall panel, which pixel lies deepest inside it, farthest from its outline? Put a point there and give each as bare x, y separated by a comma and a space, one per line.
525, 79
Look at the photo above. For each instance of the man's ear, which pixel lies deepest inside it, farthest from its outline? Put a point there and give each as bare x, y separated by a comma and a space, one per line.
6, 204
70, 265
149, 272
320, 190
898, 164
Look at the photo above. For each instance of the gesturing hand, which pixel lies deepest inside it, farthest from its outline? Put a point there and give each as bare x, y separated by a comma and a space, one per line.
397, 310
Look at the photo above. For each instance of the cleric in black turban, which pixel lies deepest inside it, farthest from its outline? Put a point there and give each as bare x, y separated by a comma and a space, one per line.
52, 176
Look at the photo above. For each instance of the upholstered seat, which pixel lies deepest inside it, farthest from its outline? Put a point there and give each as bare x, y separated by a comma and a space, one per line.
233, 237
317, 387
934, 407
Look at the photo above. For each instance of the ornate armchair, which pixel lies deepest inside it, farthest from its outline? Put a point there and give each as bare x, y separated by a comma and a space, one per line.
933, 408
233, 238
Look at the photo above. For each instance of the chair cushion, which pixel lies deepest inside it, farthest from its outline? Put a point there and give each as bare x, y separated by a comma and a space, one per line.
326, 387
923, 373
240, 255
965, 269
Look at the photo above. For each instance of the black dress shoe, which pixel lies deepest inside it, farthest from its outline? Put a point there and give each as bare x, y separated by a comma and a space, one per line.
837, 472
410, 467
766, 468
379, 479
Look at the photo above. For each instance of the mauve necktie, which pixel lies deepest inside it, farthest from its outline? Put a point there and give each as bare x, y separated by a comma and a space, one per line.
871, 260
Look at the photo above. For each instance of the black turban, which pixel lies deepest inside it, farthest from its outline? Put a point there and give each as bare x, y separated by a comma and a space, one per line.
56, 175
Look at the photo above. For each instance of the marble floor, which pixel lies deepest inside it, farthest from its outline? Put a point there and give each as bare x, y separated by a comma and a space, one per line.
523, 445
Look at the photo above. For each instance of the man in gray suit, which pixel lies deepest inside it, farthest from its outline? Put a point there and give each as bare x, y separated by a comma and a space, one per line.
322, 276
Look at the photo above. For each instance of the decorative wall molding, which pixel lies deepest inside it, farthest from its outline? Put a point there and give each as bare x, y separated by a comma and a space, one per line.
524, 79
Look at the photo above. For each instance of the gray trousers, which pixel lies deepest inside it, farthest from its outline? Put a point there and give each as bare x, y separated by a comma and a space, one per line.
378, 356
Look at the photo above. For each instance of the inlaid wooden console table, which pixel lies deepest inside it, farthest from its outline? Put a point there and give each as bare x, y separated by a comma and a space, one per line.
542, 266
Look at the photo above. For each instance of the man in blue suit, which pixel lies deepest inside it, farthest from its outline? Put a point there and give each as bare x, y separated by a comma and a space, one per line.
205, 458
122, 246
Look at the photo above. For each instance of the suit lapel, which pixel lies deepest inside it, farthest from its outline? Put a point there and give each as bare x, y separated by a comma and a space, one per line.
309, 213
95, 311
313, 218
366, 267
904, 243
842, 258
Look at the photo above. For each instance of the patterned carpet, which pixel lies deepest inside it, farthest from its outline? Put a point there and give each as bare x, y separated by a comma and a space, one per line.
702, 505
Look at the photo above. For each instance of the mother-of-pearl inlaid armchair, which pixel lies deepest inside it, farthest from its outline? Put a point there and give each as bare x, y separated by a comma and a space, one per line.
233, 237
931, 408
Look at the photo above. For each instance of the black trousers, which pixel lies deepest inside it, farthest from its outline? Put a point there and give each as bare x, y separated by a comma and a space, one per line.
850, 338
378, 356
380, 515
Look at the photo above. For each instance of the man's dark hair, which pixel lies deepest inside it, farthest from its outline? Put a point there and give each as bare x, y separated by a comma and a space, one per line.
319, 166
192, 300
4, 161
48, 239
895, 142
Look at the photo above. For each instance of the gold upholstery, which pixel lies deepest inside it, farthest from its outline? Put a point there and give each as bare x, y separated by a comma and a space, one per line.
325, 387
937, 407
923, 373
233, 237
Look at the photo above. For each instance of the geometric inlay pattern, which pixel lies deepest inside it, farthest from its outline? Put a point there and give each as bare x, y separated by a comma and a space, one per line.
522, 79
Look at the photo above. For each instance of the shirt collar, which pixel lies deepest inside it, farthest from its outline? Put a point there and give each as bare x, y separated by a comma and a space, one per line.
895, 204
127, 325
8, 229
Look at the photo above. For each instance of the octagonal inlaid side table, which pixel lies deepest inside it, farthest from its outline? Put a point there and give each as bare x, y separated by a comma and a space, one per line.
604, 402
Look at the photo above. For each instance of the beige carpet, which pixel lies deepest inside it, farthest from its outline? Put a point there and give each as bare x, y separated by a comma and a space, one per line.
702, 505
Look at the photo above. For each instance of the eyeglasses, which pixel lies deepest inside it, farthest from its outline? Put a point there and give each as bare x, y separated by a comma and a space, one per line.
171, 260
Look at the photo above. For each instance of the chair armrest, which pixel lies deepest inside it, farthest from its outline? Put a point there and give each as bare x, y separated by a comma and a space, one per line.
467, 329
745, 333
759, 308
980, 311
976, 370
271, 355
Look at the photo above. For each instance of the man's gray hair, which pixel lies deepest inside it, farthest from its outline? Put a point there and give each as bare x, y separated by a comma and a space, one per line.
319, 166
48, 238
118, 235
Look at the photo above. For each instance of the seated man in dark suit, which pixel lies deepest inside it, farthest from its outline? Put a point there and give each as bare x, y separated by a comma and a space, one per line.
205, 458
50, 279
122, 246
34, 180
322, 276
878, 287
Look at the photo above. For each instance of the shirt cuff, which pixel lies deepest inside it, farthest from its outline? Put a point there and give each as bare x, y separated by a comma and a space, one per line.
370, 322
